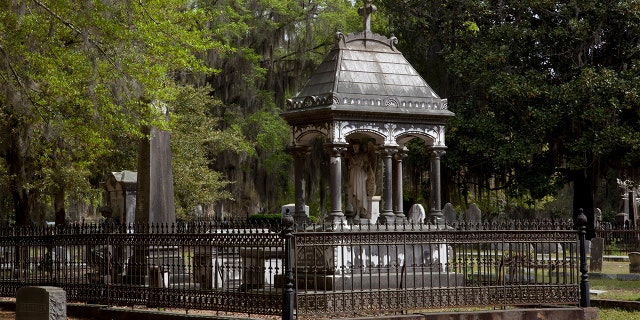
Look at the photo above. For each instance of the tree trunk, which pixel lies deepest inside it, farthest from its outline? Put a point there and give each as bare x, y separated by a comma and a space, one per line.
23, 199
583, 191
58, 205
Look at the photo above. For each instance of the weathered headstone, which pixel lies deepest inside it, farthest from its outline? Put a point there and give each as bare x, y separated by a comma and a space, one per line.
474, 214
549, 248
634, 262
597, 249
449, 213
416, 214
41, 303
121, 195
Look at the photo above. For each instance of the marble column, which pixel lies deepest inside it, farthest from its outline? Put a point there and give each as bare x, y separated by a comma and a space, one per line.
435, 214
336, 215
397, 183
299, 154
387, 216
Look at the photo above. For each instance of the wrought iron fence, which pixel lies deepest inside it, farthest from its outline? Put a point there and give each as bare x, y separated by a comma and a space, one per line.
197, 266
337, 270
367, 269
620, 242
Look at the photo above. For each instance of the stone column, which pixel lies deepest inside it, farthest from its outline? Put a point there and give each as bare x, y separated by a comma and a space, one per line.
336, 215
387, 215
397, 183
435, 213
299, 154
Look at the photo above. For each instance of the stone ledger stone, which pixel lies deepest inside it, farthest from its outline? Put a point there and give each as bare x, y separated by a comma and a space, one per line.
41, 303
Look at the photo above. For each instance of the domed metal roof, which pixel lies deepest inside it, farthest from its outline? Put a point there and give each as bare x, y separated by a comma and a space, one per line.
366, 70
365, 78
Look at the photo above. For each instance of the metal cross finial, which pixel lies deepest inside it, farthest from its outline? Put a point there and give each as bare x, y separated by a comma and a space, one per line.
366, 12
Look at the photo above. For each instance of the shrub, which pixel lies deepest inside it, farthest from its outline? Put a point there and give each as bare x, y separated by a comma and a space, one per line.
273, 219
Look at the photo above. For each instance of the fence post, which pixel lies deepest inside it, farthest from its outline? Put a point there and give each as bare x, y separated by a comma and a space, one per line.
581, 222
288, 292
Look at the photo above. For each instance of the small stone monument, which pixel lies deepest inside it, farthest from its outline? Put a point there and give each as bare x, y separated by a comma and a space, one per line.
41, 303
597, 249
449, 213
291, 207
416, 214
121, 195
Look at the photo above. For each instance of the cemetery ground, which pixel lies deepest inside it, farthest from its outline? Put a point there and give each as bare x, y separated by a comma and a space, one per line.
607, 289
610, 289
617, 290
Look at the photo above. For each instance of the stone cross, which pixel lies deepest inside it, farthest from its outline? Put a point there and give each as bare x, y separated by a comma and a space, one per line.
366, 12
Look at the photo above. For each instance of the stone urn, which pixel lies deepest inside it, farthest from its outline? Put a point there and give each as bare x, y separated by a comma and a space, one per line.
634, 262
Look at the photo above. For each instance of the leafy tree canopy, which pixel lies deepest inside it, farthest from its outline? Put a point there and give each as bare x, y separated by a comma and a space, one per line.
545, 92
78, 79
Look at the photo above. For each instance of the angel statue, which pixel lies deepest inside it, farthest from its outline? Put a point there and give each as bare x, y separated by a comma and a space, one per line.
362, 178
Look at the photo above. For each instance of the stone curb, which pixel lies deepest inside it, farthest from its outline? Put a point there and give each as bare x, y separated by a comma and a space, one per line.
619, 304
620, 276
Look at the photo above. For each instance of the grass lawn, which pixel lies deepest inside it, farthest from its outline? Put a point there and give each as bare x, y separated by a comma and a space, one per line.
615, 267
616, 290
616, 314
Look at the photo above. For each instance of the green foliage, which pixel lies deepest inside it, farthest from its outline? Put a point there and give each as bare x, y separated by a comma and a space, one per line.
195, 141
78, 79
271, 219
543, 91
275, 45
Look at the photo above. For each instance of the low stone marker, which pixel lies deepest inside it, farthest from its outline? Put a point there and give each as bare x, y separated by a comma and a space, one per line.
634, 262
41, 303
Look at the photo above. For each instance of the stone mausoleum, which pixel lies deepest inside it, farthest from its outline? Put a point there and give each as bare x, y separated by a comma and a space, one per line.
366, 102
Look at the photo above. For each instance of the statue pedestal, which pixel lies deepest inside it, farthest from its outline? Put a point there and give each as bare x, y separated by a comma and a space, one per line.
373, 211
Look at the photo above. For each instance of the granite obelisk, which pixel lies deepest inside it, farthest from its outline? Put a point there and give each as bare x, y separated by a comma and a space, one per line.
155, 198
